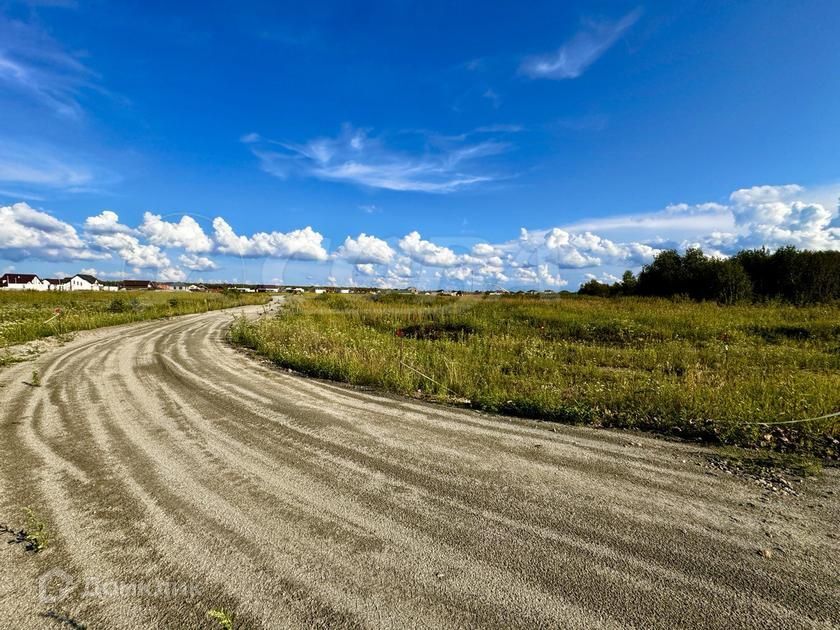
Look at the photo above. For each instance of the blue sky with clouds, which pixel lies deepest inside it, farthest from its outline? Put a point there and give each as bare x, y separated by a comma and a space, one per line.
412, 143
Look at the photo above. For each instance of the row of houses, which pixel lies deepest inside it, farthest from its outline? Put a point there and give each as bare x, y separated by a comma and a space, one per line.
32, 282
85, 282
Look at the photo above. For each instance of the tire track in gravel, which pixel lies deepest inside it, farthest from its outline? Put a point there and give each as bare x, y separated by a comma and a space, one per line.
157, 452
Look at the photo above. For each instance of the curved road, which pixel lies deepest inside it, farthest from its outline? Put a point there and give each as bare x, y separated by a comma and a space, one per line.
178, 475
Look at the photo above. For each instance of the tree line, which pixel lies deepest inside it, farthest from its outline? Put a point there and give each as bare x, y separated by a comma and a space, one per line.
788, 274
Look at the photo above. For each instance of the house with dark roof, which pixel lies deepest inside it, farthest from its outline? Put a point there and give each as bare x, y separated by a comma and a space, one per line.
137, 285
22, 282
82, 282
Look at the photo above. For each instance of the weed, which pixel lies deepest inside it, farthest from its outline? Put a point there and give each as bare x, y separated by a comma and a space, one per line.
37, 535
33, 536
29, 315
696, 370
64, 619
762, 462
221, 616
117, 305
7, 358
35, 381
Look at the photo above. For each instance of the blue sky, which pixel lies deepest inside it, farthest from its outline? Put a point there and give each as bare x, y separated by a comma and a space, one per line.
412, 143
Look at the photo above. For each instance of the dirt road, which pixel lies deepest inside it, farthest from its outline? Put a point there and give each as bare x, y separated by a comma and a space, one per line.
178, 475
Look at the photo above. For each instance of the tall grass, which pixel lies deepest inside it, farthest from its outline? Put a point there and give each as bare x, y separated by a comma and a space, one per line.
696, 370
28, 315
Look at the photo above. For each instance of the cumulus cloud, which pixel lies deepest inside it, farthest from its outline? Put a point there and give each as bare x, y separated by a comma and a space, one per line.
106, 222
484, 250
442, 166
774, 216
186, 233
29, 233
770, 216
366, 269
197, 263
573, 250
171, 274
426, 252
365, 249
132, 251
540, 275
305, 244
573, 58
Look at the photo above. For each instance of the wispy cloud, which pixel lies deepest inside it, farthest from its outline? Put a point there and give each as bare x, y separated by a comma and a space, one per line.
32, 168
442, 165
34, 165
36, 67
580, 52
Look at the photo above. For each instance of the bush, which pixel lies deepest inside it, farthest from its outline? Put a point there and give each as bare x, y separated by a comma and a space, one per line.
117, 305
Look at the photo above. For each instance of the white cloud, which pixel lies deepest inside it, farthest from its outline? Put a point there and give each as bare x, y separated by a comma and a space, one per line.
132, 251
197, 263
186, 233
354, 157
484, 250
540, 275
774, 216
366, 269
770, 216
106, 222
305, 244
764, 194
41, 166
172, 274
426, 252
365, 249
458, 273
35, 67
29, 233
581, 51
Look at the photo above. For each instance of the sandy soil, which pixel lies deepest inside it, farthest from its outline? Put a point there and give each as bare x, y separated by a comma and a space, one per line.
178, 475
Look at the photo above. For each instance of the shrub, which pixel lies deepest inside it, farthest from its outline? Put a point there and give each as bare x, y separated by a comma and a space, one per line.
117, 305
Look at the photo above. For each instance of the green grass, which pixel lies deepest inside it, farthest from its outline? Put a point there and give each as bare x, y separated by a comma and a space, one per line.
696, 370
36, 533
224, 618
28, 315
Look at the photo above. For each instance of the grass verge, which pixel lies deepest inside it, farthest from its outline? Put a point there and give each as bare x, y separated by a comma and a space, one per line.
726, 375
29, 315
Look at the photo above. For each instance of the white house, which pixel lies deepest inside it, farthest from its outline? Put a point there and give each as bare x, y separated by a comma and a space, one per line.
23, 282
82, 282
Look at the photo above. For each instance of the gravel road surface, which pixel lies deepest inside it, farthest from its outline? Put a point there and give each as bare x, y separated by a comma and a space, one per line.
177, 475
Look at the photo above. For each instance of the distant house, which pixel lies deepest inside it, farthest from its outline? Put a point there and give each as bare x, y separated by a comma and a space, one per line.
137, 285
81, 282
161, 286
54, 284
23, 282
345, 291
320, 291
294, 290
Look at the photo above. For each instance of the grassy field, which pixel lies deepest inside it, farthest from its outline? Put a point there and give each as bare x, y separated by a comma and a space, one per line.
697, 370
28, 315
